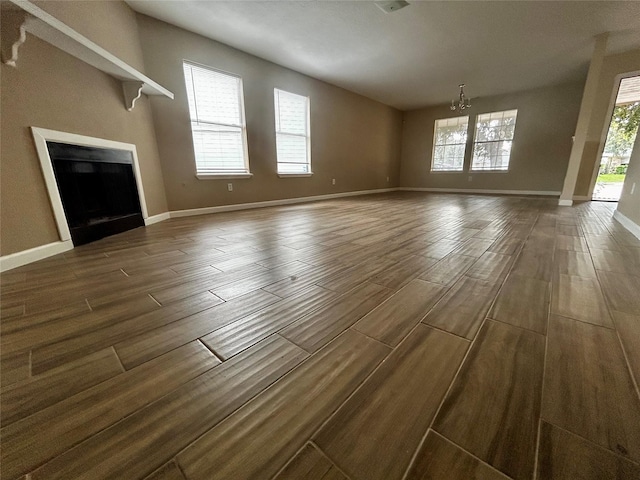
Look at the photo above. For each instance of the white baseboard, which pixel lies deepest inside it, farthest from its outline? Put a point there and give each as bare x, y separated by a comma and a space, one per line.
565, 203
161, 217
289, 201
272, 203
18, 259
630, 225
479, 190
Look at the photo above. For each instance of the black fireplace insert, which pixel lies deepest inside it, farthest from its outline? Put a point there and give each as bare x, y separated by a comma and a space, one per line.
98, 190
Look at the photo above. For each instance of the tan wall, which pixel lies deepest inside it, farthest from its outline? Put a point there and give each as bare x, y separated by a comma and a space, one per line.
629, 204
53, 90
612, 66
97, 20
353, 139
541, 147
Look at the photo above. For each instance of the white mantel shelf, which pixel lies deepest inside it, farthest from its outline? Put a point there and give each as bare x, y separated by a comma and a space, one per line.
48, 28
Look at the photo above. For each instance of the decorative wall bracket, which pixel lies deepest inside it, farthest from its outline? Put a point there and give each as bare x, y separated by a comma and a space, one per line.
19, 29
132, 92
41, 24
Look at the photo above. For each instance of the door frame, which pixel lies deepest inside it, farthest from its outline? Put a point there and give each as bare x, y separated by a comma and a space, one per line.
605, 131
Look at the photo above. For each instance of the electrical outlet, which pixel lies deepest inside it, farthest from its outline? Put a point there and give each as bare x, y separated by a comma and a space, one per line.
230, 187
387, 179
333, 181
469, 178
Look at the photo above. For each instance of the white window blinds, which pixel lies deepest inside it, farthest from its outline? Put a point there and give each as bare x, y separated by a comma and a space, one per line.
449, 144
493, 140
217, 120
292, 133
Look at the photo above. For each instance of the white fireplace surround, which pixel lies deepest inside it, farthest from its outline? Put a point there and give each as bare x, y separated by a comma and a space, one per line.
41, 136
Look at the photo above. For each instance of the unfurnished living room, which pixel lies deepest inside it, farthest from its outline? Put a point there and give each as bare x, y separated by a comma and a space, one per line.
338, 240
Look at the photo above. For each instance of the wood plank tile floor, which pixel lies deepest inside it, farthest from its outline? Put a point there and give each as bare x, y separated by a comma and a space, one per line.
395, 336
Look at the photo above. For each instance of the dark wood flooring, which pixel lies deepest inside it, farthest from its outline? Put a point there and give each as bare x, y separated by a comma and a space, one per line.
382, 337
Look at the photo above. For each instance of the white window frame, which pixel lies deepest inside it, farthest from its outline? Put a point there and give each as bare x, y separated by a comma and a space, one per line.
435, 144
306, 135
221, 174
476, 142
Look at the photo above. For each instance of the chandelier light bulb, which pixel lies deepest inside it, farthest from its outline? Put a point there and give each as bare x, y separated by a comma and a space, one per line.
463, 102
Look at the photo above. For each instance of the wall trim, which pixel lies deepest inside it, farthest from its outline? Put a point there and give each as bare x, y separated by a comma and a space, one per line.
565, 203
18, 259
627, 223
31, 255
161, 217
273, 203
479, 190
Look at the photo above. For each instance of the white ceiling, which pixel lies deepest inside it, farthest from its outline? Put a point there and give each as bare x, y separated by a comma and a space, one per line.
416, 56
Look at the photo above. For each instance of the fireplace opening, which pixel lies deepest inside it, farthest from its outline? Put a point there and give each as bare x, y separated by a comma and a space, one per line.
98, 190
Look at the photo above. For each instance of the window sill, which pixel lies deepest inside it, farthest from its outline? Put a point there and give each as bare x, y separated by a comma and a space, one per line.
446, 171
294, 175
488, 171
222, 176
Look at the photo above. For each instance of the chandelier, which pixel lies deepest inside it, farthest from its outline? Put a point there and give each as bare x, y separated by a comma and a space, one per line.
463, 101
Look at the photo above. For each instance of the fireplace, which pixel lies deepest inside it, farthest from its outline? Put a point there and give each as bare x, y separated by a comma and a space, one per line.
94, 185
98, 190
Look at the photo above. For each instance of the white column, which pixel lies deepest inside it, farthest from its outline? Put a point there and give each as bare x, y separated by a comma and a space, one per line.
584, 118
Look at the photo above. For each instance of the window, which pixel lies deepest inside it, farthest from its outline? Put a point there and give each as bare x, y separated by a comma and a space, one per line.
217, 121
449, 142
292, 133
493, 140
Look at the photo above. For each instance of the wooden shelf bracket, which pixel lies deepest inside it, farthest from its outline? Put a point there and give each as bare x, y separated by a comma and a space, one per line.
10, 54
132, 92
48, 28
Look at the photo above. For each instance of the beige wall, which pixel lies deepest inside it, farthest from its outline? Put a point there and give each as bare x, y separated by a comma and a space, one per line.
53, 90
613, 66
353, 139
97, 20
541, 147
629, 204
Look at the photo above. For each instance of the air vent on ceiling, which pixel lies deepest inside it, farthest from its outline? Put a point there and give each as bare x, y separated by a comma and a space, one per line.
390, 7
